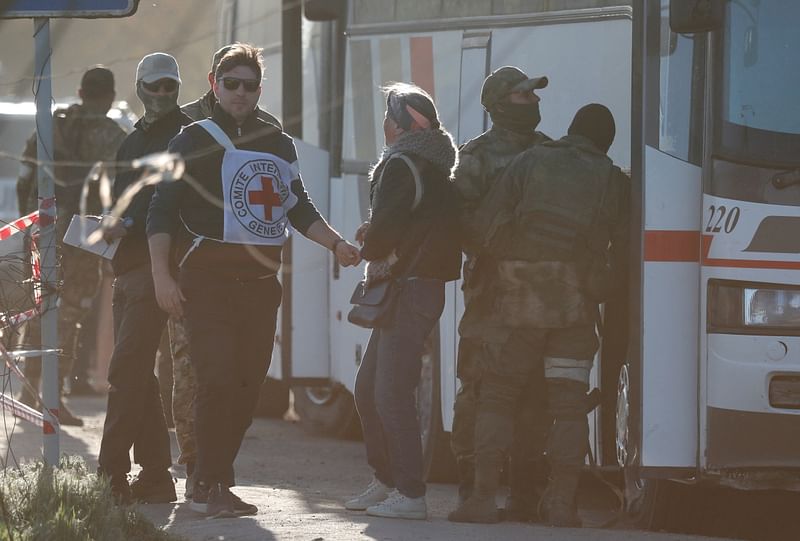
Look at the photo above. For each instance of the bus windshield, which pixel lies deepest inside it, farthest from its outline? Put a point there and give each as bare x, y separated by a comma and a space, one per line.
759, 110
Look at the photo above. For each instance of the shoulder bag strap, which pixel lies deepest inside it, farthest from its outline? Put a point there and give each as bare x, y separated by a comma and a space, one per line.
217, 133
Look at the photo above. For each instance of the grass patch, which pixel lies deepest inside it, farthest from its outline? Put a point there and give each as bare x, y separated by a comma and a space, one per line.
68, 503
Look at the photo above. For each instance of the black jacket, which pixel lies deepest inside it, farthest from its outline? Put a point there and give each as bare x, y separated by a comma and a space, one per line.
201, 212
432, 227
133, 251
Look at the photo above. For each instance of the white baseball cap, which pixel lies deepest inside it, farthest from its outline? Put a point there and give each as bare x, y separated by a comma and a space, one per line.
157, 66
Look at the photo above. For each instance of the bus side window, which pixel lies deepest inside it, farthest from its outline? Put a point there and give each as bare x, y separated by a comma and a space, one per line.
681, 88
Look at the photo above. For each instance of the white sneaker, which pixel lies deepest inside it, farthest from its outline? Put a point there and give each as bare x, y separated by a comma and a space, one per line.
399, 506
376, 492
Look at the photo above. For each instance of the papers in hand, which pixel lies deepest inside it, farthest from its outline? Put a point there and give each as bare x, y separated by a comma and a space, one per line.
84, 233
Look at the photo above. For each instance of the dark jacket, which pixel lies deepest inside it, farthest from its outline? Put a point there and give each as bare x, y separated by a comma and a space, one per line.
431, 227
200, 210
133, 251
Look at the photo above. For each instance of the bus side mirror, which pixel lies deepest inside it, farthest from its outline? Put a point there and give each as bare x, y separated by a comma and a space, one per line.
324, 10
692, 16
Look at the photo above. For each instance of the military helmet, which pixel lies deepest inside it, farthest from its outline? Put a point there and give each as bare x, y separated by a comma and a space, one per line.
503, 81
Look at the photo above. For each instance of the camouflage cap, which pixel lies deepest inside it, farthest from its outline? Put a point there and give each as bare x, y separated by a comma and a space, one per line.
503, 81
97, 81
157, 66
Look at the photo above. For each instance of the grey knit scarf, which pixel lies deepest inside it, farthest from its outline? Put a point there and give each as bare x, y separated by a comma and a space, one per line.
436, 146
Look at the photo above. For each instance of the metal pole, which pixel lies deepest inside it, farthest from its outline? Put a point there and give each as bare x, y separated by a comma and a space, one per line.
47, 249
292, 112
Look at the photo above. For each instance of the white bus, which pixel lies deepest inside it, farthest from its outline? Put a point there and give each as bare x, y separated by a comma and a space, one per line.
700, 367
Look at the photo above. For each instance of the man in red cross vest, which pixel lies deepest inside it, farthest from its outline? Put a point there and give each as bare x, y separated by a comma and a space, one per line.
227, 226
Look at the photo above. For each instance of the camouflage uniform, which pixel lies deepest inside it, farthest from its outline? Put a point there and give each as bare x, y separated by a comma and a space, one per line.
481, 163
545, 227
83, 137
183, 391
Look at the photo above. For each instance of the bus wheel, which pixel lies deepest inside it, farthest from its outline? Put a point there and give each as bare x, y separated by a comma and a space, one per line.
273, 400
439, 465
327, 411
650, 504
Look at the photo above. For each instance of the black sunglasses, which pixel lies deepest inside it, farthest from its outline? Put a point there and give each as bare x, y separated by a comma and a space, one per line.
169, 85
232, 83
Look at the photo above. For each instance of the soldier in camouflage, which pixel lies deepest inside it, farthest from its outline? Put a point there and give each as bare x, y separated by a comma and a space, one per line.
508, 95
556, 226
82, 136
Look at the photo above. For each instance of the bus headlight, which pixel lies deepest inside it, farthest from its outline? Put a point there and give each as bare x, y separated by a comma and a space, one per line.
733, 307
771, 307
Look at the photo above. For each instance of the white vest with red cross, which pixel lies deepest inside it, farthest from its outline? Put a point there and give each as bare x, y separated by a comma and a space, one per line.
256, 188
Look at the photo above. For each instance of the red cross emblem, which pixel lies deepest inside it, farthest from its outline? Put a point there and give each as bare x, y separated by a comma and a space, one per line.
266, 197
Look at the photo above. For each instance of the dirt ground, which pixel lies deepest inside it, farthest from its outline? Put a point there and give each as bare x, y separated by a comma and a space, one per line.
298, 482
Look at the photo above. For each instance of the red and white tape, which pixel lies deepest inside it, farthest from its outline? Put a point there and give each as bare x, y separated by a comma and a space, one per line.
20, 224
8, 230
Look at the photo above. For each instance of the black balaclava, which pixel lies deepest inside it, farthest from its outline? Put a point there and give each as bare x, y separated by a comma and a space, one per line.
595, 122
518, 117
156, 106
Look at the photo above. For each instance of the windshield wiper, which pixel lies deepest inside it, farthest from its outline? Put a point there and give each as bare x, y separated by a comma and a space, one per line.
784, 179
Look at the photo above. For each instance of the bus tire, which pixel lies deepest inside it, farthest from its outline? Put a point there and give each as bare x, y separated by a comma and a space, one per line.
327, 411
650, 504
273, 400
439, 464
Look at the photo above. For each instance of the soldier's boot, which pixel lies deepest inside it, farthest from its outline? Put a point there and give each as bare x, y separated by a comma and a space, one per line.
481, 506
66, 417
466, 478
567, 445
559, 507
522, 504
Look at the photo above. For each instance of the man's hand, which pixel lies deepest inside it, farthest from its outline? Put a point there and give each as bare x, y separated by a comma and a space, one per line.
168, 294
361, 232
113, 229
347, 254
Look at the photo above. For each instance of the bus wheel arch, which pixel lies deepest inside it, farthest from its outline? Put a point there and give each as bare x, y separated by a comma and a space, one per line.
327, 411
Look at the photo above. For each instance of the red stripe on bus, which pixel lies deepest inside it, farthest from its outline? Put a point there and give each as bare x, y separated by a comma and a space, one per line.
752, 264
675, 246
691, 247
422, 63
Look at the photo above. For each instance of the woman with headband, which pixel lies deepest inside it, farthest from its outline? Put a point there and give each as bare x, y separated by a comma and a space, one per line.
411, 237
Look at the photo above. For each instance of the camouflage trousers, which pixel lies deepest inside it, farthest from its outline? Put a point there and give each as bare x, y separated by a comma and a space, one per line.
559, 361
80, 275
183, 391
526, 438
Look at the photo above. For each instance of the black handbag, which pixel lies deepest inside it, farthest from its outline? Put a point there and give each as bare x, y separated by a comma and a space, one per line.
373, 305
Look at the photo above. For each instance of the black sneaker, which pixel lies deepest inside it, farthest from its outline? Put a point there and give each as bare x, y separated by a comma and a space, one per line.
120, 489
154, 487
220, 502
241, 507
200, 497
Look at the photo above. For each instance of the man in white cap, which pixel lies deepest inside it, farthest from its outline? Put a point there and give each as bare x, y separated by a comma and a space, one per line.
135, 417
